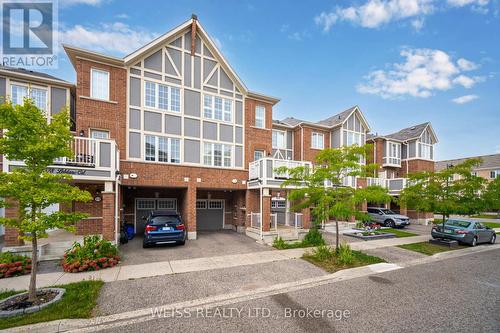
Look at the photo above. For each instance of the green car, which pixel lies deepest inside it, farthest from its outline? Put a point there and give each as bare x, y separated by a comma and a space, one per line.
464, 231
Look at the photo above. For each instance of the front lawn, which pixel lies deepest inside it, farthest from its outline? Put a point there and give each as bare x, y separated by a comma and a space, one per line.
492, 225
399, 233
486, 216
78, 302
428, 248
326, 258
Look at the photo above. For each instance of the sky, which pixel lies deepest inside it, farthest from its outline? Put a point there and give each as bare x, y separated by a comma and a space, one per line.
403, 62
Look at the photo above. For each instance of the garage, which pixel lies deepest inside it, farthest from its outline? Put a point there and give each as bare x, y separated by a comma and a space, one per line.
209, 215
143, 206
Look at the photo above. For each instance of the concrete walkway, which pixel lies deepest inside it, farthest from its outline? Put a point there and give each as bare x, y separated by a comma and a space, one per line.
127, 272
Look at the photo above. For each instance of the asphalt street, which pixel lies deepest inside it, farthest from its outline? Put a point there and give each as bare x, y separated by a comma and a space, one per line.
453, 295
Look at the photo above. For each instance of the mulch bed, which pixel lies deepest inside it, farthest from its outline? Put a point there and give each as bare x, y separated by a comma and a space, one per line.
21, 301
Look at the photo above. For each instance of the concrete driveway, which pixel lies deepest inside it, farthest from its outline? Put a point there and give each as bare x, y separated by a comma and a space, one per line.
208, 244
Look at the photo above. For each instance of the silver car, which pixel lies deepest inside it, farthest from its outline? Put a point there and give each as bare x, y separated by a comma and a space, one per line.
387, 217
465, 231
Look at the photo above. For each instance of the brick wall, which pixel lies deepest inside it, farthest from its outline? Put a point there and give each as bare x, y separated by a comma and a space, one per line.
311, 153
257, 138
415, 166
108, 115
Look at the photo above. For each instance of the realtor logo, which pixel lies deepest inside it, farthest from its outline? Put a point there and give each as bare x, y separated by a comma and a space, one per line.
28, 33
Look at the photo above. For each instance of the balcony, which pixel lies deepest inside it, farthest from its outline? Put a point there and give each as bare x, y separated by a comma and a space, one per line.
394, 186
91, 159
263, 172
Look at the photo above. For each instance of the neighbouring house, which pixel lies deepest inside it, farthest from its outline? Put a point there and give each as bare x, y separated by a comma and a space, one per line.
399, 154
171, 126
489, 168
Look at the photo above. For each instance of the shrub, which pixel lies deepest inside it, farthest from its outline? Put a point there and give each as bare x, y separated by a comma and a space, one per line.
323, 252
313, 238
279, 243
345, 255
94, 254
14, 265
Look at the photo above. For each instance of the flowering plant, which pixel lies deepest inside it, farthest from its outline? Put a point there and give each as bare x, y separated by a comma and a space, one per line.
95, 253
14, 265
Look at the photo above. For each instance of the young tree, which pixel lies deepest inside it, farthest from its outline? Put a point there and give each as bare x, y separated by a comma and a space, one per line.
323, 189
492, 196
454, 190
30, 138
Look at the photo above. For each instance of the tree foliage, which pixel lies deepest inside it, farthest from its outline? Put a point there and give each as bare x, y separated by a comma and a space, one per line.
454, 190
30, 138
323, 188
492, 196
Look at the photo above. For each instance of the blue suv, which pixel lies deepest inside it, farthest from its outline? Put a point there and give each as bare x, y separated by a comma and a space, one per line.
164, 227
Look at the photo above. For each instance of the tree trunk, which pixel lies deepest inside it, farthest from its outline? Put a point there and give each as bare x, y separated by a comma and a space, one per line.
34, 265
336, 234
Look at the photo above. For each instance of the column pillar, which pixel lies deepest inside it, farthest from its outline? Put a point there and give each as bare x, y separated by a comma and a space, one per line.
189, 211
306, 218
403, 210
364, 206
11, 237
252, 205
266, 210
108, 215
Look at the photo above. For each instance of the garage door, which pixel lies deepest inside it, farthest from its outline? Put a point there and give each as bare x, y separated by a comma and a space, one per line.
209, 215
144, 206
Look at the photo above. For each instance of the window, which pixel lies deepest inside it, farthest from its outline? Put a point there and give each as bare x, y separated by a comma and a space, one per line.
215, 204
162, 97
201, 204
278, 204
216, 154
279, 141
99, 84
258, 154
474, 173
38, 96
260, 116
145, 204
317, 140
494, 174
99, 134
217, 108
169, 204
425, 151
393, 153
354, 138
162, 149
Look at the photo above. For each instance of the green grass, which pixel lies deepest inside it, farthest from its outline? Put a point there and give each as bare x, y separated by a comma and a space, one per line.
428, 248
78, 302
492, 225
332, 265
399, 233
485, 216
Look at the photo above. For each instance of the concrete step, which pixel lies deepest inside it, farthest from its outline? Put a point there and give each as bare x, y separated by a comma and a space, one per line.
57, 248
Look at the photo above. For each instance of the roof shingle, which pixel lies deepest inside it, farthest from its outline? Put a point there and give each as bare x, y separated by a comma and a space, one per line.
489, 162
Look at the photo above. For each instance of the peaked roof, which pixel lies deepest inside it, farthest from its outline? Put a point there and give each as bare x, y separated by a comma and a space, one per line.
333, 121
489, 162
412, 132
28, 74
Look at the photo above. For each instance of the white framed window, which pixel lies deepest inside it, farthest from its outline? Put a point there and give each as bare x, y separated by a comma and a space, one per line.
425, 150
393, 153
99, 134
317, 140
145, 204
170, 204
215, 204
260, 116
201, 204
494, 174
279, 139
99, 84
162, 149
217, 154
161, 96
37, 95
258, 154
278, 203
217, 108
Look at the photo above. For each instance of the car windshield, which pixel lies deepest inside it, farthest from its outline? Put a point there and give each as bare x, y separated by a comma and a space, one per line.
157, 220
458, 223
387, 212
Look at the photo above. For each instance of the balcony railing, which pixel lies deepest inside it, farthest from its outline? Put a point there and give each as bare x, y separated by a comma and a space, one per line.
394, 185
263, 171
391, 161
90, 159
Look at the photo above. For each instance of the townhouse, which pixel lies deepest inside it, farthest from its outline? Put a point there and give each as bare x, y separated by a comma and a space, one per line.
489, 168
171, 126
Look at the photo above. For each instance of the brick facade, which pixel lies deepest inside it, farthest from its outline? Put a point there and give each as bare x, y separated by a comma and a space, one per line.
309, 153
257, 138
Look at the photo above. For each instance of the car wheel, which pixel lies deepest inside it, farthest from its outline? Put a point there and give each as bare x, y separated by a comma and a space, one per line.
389, 223
493, 239
145, 246
474, 241
182, 242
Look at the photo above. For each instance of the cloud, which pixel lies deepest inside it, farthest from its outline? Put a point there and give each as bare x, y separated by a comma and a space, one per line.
422, 72
116, 38
464, 99
466, 65
122, 16
375, 13
68, 3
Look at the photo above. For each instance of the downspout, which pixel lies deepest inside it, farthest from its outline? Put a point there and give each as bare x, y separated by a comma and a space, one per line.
117, 211
374, 154
301, 142
261, 219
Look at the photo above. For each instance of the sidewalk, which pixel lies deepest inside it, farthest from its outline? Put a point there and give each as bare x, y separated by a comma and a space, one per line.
127, 272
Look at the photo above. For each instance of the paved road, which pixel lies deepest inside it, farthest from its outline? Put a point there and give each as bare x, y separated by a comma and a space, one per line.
453, 295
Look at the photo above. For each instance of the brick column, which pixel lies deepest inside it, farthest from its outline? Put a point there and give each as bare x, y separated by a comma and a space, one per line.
239, 203
108, 215
252, 205
189, 211
12, 234
266, 212
364, 206
403, 210
306, 218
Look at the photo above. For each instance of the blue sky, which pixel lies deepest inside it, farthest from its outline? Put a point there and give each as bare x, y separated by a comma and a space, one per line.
403, 62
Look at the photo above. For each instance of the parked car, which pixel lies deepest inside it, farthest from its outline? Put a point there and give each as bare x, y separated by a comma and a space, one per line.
164, 227
387, 217
464, 231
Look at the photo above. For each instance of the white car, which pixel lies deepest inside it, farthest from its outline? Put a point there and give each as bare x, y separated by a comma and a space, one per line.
387, 217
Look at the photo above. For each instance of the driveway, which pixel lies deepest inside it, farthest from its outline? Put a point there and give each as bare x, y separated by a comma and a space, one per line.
208, 244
